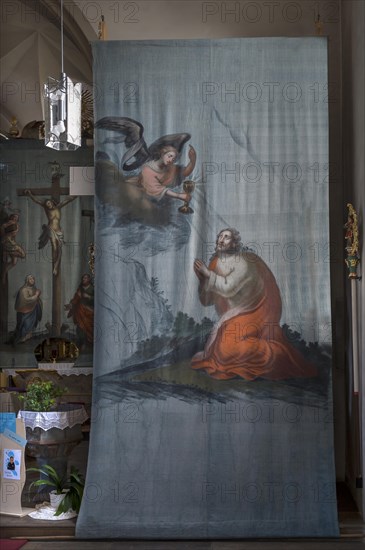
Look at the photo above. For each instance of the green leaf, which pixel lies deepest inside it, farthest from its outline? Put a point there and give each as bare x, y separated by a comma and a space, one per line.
41, 396
51, 478
41, 482
75, 485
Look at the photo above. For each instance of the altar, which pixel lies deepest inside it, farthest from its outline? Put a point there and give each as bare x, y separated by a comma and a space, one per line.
77, 381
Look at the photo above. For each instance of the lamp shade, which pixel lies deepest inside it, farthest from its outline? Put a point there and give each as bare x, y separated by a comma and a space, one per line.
62, 101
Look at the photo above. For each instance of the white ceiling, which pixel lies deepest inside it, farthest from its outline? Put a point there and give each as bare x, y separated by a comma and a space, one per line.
30, 52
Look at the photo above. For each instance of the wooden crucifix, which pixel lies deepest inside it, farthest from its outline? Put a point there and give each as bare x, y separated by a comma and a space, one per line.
52, 233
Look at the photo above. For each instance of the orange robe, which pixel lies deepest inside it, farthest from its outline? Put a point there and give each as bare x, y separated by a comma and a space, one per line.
248, 341
82, 311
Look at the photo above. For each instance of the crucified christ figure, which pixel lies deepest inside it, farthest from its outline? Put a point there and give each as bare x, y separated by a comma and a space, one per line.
52, 231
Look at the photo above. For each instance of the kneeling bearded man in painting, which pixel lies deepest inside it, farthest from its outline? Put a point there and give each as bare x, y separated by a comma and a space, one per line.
247, 341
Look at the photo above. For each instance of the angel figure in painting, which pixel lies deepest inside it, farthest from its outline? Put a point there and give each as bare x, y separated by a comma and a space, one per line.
158, 174
157, 165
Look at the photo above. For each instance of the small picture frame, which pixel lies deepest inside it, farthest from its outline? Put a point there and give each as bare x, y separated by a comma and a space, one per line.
12, 463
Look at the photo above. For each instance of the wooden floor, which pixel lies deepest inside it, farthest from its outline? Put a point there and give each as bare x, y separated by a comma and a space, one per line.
191, 545
60, 535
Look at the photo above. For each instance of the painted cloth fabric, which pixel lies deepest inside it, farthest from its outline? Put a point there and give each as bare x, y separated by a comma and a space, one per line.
212, 407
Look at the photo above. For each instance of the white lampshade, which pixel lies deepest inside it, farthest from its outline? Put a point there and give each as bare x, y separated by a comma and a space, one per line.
62, 114
62, 109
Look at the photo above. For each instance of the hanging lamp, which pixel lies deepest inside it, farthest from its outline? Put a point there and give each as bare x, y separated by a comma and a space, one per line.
62, 103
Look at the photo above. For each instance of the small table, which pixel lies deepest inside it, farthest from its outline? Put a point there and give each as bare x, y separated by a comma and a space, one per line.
54, 434
66, 417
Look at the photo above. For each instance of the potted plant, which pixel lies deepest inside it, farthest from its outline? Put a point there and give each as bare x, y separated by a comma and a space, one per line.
52, 429
67, 491
41, 395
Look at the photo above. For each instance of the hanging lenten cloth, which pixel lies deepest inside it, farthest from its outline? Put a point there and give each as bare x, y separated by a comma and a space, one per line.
212, 376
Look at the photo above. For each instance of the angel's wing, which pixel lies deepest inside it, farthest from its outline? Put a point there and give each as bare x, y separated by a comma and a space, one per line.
174, 140
131, 133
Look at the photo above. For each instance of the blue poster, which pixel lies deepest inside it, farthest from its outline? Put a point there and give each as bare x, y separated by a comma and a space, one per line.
212, 408
7, 422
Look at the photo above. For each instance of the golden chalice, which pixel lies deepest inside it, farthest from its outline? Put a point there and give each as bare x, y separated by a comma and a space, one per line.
188, 186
